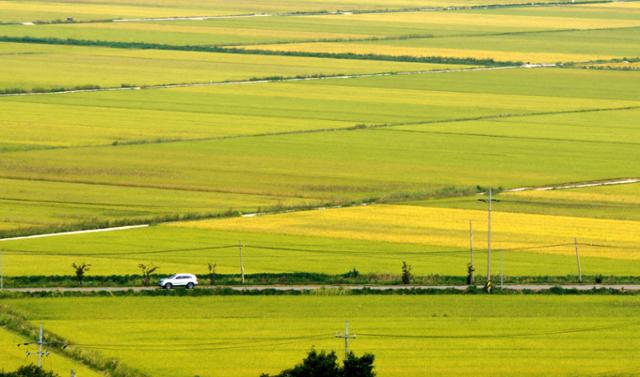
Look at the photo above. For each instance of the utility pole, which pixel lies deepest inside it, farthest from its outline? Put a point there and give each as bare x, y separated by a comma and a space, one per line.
490, 202
1, 270
575, 244
472, 264
241, 245
501, 270
489, 239
40, 344
346, 338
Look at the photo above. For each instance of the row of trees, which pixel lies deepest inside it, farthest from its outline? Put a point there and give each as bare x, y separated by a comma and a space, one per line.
316, 364
81, 269
147, 270
325, 364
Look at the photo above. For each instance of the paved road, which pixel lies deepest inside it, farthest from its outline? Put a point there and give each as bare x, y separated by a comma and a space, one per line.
301, 288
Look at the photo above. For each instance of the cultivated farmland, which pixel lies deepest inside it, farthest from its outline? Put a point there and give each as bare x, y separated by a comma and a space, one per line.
443, 335
320, 142
147, 140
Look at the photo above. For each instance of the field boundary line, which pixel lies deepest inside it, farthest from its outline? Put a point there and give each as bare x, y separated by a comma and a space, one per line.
499, 116
99, 230
424, 36
275, 80
157, 187
576, 185
513, 137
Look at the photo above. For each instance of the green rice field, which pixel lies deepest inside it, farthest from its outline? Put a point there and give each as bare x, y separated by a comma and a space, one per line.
87, 10
320, 139
409, 335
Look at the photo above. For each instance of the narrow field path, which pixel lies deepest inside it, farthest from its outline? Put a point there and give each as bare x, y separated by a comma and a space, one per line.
99, 230
275, 80
311, 287
575, 185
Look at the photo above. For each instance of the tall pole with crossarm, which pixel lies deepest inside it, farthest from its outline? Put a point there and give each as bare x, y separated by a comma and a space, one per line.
346, 337
489, 201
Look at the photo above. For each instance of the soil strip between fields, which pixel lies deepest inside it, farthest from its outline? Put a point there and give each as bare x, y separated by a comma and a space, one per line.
575, 185
99, 230
275, 80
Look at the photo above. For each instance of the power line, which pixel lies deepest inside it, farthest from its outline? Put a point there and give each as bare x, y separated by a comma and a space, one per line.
211, 346
112, 253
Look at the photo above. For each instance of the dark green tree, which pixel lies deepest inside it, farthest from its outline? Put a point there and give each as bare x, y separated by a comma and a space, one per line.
80, 269
406, 273
29, 371
147, 270
212, 273
355, 366
325, 364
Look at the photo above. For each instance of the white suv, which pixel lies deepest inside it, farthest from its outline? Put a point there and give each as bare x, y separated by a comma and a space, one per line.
179, 280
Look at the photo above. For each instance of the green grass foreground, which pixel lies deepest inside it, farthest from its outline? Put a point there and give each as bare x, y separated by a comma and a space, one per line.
410, 335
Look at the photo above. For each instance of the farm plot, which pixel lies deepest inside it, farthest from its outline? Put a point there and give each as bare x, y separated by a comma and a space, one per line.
610, 11
607, 202
41, 206
196, 113
552, 47
20, 11
33, 66
12, 357
420, 165
373, 239
401, 28
409, 335
608, 127
260, 166
443, 227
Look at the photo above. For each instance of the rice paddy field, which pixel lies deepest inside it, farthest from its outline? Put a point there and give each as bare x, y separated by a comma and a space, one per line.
13, 357
323, 136
50, 67
402, 138
91, 10
410, 335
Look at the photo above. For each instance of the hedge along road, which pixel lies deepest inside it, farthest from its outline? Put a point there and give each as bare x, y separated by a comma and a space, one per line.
311, 288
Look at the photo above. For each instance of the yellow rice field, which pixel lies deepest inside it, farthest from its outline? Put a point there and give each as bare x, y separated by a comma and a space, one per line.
482, 22
368, 48
621, 195
446, 227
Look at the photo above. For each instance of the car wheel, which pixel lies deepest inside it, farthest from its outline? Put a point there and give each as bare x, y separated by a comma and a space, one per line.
168, 286
190, 286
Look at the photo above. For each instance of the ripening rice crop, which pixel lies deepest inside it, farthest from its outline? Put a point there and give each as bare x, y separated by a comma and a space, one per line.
447, 227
